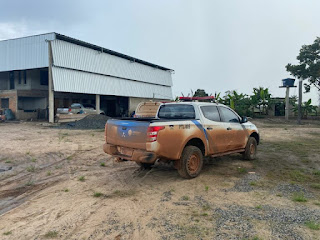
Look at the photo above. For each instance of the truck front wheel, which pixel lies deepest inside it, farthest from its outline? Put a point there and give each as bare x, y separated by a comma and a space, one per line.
251, 149
190, 163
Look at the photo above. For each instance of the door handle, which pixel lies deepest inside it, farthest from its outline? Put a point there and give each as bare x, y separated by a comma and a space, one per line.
229, 128
209, 128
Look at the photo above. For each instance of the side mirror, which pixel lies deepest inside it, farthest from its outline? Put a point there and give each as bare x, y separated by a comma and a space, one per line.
244, 119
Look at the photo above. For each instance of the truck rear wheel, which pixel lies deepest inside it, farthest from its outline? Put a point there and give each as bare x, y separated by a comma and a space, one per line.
251, 149
190, 163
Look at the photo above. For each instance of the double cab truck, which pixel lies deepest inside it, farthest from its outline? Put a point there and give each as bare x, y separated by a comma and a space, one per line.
182, 132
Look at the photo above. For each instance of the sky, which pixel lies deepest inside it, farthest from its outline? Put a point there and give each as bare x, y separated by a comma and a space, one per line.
212, 45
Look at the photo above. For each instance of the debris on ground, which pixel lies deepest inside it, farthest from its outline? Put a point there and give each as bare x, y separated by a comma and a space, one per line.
88, 122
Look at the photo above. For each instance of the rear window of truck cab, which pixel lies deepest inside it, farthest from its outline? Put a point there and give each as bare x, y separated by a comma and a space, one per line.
177, 111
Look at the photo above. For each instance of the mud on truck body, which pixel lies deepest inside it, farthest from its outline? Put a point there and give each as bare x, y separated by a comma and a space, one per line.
184, 133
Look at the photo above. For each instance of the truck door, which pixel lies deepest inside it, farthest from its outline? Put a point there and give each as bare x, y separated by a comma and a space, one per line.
216, 130
236, 134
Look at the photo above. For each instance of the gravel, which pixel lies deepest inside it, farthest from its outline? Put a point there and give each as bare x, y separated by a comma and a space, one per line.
166, 196
88, 122
287, 190
283, 222
245, 183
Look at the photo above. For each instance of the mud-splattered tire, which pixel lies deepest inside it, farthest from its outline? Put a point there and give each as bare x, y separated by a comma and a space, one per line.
190, 163
251, 149
144, 165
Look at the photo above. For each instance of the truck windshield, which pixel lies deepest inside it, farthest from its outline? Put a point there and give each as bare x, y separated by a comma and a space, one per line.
177, 111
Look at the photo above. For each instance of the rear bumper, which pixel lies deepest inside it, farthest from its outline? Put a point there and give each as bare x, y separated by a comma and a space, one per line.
138, 155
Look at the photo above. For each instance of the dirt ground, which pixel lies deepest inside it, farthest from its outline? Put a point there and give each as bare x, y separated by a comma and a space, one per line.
59, 184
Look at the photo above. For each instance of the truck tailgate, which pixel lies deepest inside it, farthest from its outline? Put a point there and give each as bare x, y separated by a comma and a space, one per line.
127, 133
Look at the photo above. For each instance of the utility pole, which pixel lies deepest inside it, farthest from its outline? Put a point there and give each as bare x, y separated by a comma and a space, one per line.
300, 101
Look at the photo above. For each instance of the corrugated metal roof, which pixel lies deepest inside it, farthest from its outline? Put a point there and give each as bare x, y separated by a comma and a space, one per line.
80, 43
72, 56
98, 48
25, 53
67, 80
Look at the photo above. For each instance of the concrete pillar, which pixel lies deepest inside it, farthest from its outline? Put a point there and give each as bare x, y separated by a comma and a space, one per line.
300, 101
98, 103
50, 87
287, 103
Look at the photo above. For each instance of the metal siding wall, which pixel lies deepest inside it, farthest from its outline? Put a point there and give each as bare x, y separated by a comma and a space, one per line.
72, 56
25, 53
67, 80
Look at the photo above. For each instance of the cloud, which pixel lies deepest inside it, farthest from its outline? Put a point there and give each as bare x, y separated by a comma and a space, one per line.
10, 30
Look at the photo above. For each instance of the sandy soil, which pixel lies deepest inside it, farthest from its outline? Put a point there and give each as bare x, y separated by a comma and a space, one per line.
63, 186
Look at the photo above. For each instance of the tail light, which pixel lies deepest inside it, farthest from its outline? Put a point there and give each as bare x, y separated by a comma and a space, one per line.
105, 132
69, 110
152, 133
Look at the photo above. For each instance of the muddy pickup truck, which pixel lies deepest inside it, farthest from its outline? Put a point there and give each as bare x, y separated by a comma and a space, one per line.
184, 133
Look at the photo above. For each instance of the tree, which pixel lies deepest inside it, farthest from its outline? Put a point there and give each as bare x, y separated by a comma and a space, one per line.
309, 65
261, 97
200, 93
307, 108
239, 102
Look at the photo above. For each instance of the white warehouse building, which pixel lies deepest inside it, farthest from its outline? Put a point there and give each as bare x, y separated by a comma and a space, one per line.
41, 73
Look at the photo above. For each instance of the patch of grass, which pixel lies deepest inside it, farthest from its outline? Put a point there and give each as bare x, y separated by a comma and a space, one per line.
33, 159
315, 185
31, 169
317, 203
100, 130
256, 238
92, 134
61, 136
313, 225
8, 161
122, 193
242, 170
279, 195
185, 198
316, 172
206, 188
306, 161
206, 207
297, 175
82, 178
29, 183
204, 214
253, 183
97, 194
299, 197
51, 234
7, 233
66, 190
258, 207
70, 157
49, 173
28, 153
102, 164
58, 167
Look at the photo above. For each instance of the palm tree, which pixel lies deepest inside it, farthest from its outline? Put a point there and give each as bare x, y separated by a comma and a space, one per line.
262, 98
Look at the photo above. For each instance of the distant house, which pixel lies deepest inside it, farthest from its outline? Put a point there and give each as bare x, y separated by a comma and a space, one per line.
277, 107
